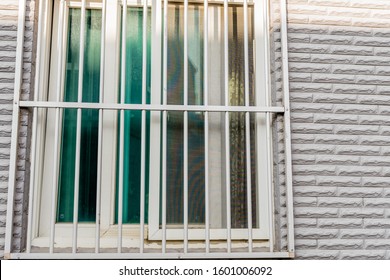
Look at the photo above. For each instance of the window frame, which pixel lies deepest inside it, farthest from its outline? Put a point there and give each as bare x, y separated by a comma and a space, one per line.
264, 167
155, 233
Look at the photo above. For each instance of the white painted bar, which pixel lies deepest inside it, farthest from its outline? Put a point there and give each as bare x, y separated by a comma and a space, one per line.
247, 129
227, 127
151, 107
143, 125
206, 124
164, 134
271, 192
122, 126
100, 133
185, 144
287, 126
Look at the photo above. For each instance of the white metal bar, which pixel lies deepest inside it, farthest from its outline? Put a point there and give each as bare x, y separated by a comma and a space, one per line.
247, 128
287, 126
185, 152
143, 124
152, 107
100, 132
269, 182
78, 131
233, 255
122, 126
60, 34
227, 127
15, 128
206, 124
164, 129
268, 128
34, 129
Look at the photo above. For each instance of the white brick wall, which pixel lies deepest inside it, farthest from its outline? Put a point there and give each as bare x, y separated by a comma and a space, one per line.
339, 60
8, 34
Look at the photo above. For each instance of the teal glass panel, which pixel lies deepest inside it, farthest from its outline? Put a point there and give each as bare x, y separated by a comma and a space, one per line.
89, 119
133, 119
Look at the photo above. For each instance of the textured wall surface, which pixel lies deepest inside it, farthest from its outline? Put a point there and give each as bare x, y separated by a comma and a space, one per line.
8, 38
339, 63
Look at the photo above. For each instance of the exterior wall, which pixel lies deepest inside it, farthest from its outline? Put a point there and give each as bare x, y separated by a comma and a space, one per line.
339, 63
8, 38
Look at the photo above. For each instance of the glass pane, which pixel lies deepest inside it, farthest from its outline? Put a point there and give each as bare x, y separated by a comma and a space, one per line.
217, 141
133, 119
175, 123
89, 118
238, 176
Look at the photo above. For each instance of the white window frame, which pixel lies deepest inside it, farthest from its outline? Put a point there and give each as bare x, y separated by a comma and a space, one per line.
111, 73
263, 146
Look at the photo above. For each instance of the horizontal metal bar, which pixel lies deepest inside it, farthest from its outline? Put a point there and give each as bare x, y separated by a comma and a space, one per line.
150, 107
211, 2
222, 255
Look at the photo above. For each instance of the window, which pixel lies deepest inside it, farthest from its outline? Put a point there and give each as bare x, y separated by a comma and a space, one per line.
153, 127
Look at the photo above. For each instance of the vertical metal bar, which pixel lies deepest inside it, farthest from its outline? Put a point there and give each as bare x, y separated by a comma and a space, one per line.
268, 127
269, 182
15, 128
185, 175
122, 126
78, 131
206, 126
247, 129
164, 130
227, 126
59, 51
287, 126
100, 133
143, 123
34, 129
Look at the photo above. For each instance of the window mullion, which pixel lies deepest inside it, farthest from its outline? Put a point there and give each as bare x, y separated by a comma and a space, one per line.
40, 43
60, 48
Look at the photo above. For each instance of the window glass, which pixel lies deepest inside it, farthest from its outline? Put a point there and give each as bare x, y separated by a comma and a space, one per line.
133, 119
89, 118
217, 141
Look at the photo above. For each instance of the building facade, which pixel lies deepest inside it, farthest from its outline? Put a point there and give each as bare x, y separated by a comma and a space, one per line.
303, 113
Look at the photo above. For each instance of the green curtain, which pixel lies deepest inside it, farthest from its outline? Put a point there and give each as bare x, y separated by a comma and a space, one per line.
133, 119
89, 119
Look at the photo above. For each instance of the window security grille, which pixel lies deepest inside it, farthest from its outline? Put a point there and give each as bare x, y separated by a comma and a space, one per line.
195, 196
